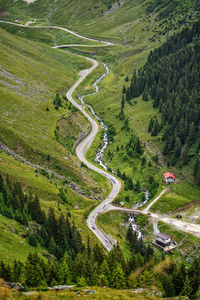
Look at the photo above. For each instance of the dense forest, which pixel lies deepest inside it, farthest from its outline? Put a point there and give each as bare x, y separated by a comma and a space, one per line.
56, 235
74, 262
171, 78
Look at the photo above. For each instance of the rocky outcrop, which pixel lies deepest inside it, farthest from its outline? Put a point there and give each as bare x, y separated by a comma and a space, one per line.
61, 287
15, 286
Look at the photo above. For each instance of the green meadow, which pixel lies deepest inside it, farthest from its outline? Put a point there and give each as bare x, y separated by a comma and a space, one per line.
13, 245
180, 194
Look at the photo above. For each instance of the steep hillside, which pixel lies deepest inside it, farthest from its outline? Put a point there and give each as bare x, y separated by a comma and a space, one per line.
43, 74
147, 106
170, 77
38, 150
137, 27
115, 20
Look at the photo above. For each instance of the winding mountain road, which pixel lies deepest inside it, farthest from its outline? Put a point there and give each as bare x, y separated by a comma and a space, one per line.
82, 148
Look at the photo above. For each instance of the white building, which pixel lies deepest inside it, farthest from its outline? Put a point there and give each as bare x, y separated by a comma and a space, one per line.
163, 239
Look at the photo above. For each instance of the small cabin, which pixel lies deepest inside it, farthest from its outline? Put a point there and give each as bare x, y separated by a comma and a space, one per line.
169, 178
163, 239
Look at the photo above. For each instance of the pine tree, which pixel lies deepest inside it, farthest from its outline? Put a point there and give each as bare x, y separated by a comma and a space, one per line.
168, 286
132, 281
187, 289
132, 263
146, 279
79, 264
17, 270
34, 209
32, 240
61, 235
52, 224
33, 271
128, 95
88, 271
138, 146
196, 167
98, 254
1, 184
179, 276
18, 191
122, 102
102, 280
185, 154
81, 281
52, 275
151, 122
124, 90
104, 270
177, 147
194, 276
138, 187
129, 234
198, 177
145, 96
89, 248
118, 280
156, 128
52, 246
64, 273
191, 136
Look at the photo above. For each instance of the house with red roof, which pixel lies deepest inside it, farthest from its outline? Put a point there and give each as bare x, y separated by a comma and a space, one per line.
169, 178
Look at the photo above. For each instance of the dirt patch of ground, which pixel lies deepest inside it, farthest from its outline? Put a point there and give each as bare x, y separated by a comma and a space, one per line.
187, 206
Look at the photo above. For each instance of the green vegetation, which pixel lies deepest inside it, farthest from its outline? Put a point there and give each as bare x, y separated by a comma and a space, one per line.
49, 36
39, 124
100, 293
29, 83
181, 194
151, 19
169, 78
113, 224
12, 237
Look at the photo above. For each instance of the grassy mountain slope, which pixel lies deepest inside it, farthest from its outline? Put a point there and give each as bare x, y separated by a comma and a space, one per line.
95, 19
31, 73
136, 27
30, 76
11, 239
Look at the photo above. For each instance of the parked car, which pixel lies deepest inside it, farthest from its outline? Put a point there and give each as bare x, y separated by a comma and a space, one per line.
175, 243
179, 216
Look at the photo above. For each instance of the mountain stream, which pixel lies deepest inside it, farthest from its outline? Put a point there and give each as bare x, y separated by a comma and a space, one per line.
99, 155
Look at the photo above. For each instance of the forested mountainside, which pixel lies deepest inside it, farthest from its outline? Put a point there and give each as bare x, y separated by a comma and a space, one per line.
171, 78
86, 264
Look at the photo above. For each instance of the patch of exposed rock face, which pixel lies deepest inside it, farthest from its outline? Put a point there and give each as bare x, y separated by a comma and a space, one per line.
12, 77
14, 286
114, 7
